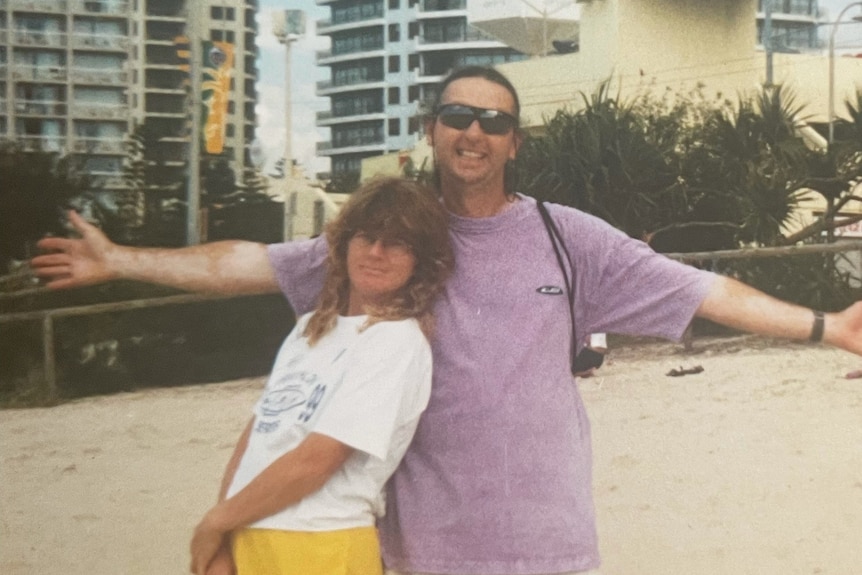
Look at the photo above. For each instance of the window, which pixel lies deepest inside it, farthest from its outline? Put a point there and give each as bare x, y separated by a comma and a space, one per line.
413, 93
350, 43
367, 102
412, 30
222, 36
393, 4
413, 62
222, 13
394, 96
394, 33
357, 11
394, 127
394, 64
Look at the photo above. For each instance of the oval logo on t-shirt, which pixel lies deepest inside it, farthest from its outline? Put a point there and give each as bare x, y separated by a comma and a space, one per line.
550, 290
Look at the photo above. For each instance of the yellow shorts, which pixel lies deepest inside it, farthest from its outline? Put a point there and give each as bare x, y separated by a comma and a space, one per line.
274, 552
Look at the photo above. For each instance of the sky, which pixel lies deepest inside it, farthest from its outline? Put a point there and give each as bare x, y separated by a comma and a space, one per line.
304, 75
271, 103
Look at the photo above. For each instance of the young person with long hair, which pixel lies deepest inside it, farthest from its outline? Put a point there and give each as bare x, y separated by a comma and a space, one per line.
303, 487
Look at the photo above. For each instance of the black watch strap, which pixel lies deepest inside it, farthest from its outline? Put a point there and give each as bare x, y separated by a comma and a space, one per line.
817, 327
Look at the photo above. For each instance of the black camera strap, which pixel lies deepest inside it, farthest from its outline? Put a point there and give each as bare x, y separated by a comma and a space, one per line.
569, 279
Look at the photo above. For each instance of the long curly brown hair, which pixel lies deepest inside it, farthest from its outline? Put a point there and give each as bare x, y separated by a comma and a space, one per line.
389, 209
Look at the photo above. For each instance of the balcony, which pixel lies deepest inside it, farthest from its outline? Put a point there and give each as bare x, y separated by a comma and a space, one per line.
328, 149
99, 146
100, 76
327, 88
101, 42
438, 9
100, 7
39, 39
50, 6
39, 73
96, 111
327, 118
468, 39
41, 143
327, 58
328, 26
40, 108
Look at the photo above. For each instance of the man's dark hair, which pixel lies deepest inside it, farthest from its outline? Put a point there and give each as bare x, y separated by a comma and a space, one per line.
491, 75
483, 72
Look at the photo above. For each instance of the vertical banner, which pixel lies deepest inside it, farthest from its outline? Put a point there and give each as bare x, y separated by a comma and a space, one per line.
217, 58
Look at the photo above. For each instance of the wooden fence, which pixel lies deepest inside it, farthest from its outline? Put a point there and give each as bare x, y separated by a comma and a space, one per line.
48, 317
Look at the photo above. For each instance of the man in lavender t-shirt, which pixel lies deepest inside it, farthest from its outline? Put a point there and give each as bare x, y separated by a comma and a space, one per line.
498, 478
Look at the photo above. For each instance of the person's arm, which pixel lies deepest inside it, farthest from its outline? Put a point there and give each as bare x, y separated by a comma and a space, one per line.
286, 481
222, 562
736, 305
229, 267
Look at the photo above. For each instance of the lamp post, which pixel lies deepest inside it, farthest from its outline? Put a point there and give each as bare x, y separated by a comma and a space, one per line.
288, 26
832, 66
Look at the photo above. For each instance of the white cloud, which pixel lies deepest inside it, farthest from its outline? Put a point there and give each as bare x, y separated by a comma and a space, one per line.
271, 85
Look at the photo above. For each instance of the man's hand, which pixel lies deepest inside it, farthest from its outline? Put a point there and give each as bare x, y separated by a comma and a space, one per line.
76, 262
232, 267
844, 329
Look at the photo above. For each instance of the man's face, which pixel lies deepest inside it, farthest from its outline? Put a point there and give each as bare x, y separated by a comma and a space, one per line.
470, 156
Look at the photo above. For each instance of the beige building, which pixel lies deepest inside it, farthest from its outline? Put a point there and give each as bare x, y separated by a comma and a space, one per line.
644, 45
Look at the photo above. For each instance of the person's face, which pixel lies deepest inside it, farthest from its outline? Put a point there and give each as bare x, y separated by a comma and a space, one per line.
377, 269
470, 156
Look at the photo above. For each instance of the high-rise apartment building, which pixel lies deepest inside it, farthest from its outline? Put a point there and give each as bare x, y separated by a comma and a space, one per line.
386, 57
794, 24
77, 76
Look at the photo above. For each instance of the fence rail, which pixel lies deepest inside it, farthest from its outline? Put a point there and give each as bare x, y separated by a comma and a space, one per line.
47, 317
843, 246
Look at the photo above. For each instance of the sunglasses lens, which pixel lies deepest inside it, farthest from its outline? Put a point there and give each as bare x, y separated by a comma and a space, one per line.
460, 117
496, 125
460, 120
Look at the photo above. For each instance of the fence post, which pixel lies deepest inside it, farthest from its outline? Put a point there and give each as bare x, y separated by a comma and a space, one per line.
50, 361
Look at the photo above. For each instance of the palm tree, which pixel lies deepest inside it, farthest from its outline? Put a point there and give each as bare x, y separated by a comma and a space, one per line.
37, 187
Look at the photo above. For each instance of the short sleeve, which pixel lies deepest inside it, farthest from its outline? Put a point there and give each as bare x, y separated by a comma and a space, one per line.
300, 269
623, 286
386, 385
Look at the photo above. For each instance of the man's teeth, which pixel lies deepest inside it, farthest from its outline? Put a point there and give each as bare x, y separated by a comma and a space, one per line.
470, 154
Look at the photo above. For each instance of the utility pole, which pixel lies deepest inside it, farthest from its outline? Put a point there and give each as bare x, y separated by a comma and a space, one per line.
193, 198
288, 27
767, 39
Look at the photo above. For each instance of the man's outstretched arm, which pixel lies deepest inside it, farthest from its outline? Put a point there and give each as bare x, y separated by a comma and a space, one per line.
229, 267
736, 305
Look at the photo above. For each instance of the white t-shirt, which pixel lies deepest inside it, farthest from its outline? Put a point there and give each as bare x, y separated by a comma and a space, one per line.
365, 389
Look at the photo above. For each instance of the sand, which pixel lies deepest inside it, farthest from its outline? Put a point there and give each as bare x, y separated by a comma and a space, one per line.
753, 466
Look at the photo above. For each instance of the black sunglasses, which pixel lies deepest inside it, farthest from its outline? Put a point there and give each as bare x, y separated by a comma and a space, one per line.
460, 117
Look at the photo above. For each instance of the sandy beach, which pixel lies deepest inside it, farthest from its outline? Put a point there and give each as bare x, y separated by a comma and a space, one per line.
752, 466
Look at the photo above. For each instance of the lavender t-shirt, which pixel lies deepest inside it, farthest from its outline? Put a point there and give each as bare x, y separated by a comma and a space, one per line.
498, 478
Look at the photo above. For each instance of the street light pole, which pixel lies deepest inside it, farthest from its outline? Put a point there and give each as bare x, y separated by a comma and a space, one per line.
766, 39
832, 68
288, 28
